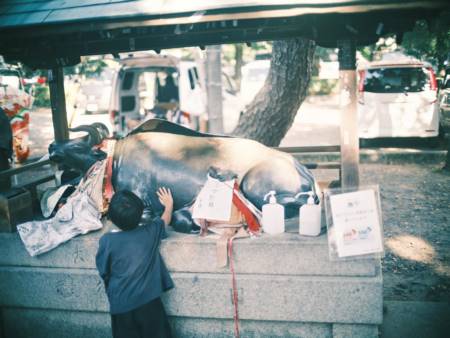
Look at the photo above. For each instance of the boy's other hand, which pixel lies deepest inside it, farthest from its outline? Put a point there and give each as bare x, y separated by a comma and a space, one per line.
165, 197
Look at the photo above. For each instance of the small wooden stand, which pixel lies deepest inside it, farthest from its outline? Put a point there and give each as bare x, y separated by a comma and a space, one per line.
15, 208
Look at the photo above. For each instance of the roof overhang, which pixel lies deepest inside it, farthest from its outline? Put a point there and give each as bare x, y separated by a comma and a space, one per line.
43, 36
149, 61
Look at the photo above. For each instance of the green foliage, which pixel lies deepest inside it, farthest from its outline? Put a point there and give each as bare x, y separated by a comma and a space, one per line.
322, 54
89, 67
322, 86
386, 44
367, 52
430, 41
41, 96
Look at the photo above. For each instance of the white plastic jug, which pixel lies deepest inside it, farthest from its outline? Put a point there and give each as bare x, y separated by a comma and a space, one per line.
272, 215
309, 217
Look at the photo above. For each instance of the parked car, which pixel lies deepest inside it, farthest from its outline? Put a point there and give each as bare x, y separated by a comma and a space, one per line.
95, 96
397, 100
155, 86
444, 104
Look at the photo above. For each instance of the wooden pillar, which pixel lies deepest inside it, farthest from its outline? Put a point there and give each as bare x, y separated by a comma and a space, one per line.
214, 89
58, 102
349, 117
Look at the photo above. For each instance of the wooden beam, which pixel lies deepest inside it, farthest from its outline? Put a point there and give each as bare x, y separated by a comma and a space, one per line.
349, 115
23, 168
312, 149
58, 102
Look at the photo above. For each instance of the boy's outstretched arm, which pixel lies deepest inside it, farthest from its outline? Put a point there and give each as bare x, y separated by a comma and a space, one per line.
165, 197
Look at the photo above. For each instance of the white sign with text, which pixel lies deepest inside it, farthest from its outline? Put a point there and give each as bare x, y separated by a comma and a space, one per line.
356, 222
214, 200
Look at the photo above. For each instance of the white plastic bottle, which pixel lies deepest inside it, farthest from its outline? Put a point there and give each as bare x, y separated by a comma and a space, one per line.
272, 215
309, 217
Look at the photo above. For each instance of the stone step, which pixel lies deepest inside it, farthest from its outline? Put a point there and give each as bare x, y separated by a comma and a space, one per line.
37, 323
261, 297
285, 254
44, 323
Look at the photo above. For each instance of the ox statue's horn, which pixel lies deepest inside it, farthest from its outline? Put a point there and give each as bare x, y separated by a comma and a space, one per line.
93, 136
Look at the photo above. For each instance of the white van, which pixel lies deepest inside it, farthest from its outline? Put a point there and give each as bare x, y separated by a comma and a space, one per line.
397, 100
155, 86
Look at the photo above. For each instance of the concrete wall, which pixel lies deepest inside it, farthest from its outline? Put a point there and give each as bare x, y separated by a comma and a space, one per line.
287, 288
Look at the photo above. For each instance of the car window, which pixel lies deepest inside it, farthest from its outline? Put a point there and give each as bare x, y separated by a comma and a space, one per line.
128, 103
10, 78
127, 81
396, 80
191, 79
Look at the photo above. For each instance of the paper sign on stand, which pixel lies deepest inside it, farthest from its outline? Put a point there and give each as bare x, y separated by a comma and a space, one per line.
354, 223
214, 200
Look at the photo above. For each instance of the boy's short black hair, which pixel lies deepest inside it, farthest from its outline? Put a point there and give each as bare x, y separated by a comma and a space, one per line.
125, 210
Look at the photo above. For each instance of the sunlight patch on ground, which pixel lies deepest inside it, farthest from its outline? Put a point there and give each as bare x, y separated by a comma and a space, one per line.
411, 247
442, 269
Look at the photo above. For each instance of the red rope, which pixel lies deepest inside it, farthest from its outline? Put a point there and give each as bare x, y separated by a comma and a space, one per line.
235, 292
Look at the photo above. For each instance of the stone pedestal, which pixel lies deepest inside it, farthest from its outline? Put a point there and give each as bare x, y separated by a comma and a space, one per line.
287, 288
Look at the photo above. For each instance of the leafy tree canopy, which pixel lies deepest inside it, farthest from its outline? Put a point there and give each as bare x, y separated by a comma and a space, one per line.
430, 40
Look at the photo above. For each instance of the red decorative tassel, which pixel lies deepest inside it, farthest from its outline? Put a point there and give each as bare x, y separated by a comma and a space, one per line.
252, 222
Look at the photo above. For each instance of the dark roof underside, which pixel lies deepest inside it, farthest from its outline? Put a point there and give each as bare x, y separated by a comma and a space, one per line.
45, 33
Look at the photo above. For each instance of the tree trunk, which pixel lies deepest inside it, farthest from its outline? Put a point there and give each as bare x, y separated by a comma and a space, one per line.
271, 113
238, 55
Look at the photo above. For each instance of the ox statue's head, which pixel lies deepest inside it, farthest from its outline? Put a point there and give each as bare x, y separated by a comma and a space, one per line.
79, 153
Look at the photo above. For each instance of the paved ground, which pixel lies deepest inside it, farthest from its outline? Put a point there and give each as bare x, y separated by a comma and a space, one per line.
317, 123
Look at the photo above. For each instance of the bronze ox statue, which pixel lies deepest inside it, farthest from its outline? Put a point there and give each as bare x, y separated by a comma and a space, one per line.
160, 153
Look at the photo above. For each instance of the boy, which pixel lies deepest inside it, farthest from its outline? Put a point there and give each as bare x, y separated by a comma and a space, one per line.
134, 273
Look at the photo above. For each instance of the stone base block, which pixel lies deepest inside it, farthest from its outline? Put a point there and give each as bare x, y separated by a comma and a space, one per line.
285, 254
355, 331
39, 323
261, 297
216, 328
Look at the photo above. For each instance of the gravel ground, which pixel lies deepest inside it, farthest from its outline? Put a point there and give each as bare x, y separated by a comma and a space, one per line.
415, 202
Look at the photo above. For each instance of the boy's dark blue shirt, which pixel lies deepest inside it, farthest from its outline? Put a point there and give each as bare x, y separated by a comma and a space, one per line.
131, 266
